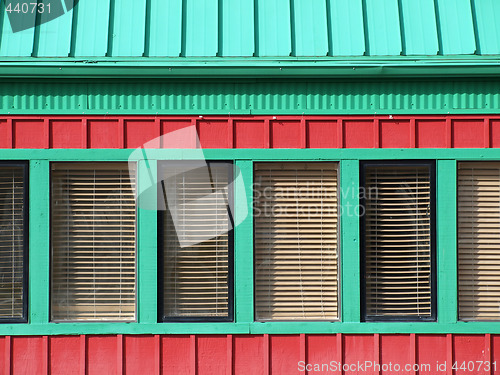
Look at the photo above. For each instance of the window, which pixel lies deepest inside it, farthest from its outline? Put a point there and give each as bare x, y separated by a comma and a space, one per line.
196, 241
13, 242
93, 242
398, 242
479, 240
296, 241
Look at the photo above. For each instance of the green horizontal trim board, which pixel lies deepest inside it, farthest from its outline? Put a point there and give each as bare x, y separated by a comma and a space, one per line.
273, 97
285, 68
252, 154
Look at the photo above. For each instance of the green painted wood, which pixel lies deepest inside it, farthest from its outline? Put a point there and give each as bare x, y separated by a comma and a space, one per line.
274, 30
165, 28
128, 28
243, 245
238, 34
91, 26
346, 27
39, 241
350, 242
310, 37
15, 44
201, 35
54, 37
446, 228
382, 27
147, 243
455, 27
419, 27
486, 14
253, 154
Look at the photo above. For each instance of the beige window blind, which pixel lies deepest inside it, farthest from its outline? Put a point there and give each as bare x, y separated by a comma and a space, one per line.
296, 241
93, 242
398, 253
479, 240
12, 228
197, 241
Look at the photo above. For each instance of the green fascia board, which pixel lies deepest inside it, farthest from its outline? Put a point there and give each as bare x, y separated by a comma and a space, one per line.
361, 67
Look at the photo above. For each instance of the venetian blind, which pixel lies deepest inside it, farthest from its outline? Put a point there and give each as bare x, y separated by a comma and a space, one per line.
296, 241
11, 241
195, 240
479, 240
93, 242
398, 241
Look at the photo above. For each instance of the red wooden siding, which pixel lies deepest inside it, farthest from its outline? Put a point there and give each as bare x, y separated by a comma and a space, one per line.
250, 131
249, 354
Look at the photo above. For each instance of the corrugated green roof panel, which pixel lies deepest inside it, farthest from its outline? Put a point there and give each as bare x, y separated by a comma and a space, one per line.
90, 28
274, 30
260, 28
165, 29
456, 27
202, 31
382, 21
419, 27
237, 37
487, 15
347, 30
310, 32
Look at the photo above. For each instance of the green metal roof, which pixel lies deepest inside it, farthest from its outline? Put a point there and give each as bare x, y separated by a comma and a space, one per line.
223, 37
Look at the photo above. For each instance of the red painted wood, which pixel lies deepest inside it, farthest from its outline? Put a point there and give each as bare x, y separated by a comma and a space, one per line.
176, 355
178, 134
395, 134
251, 134
137, 133
249, 355
431, 134
468, 133
395, 350
359, 134
286, 134
431, 350
495, 353
358, 348
322, 350
5, 133
467, 350
27, 355
104, 134
285, 354
67, 134
250, 131
136, 349
101, 355
323, 134
214, 134
211, 355
64, 355
30, 133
